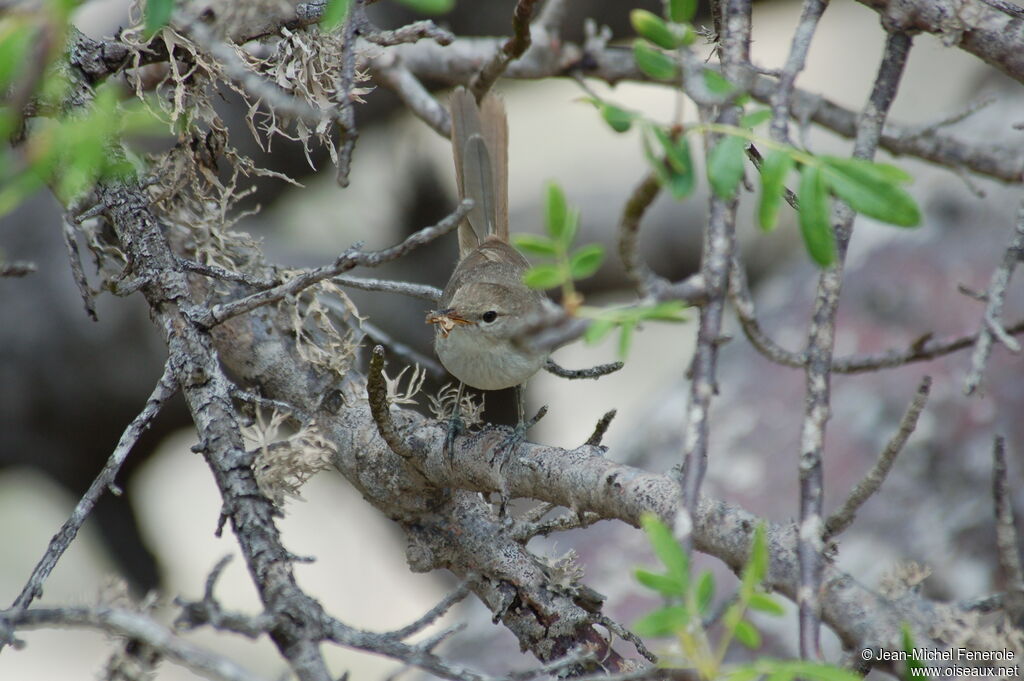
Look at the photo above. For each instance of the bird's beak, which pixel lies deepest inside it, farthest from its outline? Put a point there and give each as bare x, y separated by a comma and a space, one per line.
446, 320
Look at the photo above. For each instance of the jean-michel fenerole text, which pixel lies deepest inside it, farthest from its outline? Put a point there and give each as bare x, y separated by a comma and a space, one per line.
950, 654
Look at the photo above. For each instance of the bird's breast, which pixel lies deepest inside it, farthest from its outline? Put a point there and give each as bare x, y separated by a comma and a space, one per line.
483, 361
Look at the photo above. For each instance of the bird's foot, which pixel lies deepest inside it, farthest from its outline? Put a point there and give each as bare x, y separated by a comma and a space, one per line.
456, 427
503, 452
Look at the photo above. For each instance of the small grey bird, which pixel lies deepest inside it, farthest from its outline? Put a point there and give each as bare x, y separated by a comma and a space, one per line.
485, 302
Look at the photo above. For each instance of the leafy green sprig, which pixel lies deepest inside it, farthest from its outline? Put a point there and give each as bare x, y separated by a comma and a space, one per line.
68, 151
872, 189
688, 601
568, 265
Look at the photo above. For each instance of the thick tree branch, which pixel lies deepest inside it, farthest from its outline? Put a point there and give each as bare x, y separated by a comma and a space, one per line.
984, 28
195, 366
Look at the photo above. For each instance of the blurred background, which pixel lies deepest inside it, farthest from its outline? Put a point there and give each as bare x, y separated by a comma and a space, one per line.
68, 386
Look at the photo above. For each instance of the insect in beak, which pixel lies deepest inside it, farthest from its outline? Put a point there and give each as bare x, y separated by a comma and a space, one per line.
446, 320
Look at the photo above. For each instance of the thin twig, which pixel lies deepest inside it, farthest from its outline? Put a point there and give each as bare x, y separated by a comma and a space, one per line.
923, 349
346, 80
755, 157
17, 268
224, 274
421, 291
843, 518
249, 397
414, 95
403, 350
209, 612
972, 108
798, 48
743, 302
600, 429
346, 261
134, 626
513, 48
598, 371
639, 201
718, 247
164, 389
992, 325
1006, 534
432, 615
820, 347
624, 633
75, 259
409, 33
377, 391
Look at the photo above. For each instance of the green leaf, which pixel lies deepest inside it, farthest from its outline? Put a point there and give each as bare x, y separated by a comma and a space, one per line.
705, 591
685, 35
544, 276
669, 311
725, 165
889, 172
911, 663
757, 565
657, 162
430, 6
572, 225
744, 673
535, 244
597, 330
626, 337
755, 118
681, 11
681, 178
334, 14
819, 671
783, 674
747, 634
678, 156
763, 602
557, 212
774, 170
16, 37
616, 117
654, 28
663, 584
662, 622
157, 14
815, 224
870, 191
655, 64
666, 548
716, 82
586, 261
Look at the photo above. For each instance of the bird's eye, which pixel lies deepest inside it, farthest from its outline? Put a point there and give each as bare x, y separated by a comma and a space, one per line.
489, 316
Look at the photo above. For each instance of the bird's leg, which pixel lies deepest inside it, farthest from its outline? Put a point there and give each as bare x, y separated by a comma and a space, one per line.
523, 425
456, 426
504, 450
